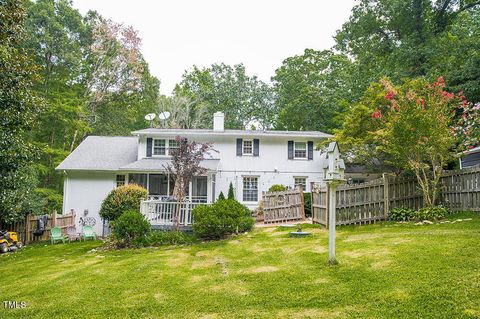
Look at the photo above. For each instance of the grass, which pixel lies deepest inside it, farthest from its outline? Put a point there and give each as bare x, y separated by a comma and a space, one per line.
387, 270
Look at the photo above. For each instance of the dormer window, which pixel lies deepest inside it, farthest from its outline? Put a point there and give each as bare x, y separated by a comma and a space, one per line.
247, 147
300, 150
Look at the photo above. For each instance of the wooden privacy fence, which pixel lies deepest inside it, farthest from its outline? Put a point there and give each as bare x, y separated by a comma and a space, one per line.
285, 206
372, 201
26, 227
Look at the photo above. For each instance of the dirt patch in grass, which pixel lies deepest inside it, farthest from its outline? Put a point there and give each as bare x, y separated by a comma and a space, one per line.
178, 259
198, 278
235, 287
261, 269
309, 313
322, 280
358, 253
203, 263
382, 264
260, 249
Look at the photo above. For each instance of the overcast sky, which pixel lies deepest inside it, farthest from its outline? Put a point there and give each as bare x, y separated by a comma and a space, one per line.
177, 34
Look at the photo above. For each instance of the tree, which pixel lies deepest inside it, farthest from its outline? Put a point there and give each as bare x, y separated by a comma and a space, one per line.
184, 113
186, 163
18, 106
93, 79
413, 124
221, 87
402, 39
221, 196
311, 89
231, 192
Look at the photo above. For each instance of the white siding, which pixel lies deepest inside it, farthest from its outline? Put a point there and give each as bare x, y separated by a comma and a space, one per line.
86, 191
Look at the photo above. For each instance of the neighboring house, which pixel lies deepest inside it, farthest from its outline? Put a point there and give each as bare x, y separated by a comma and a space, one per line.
251, 160
470, 158
357, 173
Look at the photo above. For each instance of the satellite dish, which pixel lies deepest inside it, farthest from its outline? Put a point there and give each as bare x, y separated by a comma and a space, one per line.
150, 116
164, 115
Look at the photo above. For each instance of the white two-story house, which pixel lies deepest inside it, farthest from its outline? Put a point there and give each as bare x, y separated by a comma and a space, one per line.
252, 160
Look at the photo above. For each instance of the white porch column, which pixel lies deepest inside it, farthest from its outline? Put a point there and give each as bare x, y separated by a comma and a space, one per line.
190, 190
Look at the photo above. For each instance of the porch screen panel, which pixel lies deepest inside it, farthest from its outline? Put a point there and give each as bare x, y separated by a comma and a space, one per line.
139, 179
158, 184
200, 186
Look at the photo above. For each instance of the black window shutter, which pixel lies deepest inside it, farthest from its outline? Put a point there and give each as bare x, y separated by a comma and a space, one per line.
149, 147
290, 149
310, 150
239, 146
256, 147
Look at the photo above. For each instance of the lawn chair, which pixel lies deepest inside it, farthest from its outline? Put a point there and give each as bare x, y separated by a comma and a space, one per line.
89, 233
72, 233
56, 235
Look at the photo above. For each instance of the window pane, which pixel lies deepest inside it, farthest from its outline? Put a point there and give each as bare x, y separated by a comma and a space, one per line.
301, 181
300, 149
159, 147
247, 147
139, 179
120, 180
250, 189
172, 145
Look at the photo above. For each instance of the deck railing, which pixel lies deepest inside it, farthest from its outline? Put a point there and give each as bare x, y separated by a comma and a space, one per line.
194, 199
162, 213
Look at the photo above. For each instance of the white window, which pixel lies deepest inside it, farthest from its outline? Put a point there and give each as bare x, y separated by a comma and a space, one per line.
247, 147
250, 189
300, 150
159, 147
172, 145
301, 181
120, 180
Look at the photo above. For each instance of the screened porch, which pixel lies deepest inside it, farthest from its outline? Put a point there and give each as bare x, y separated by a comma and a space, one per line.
160, 186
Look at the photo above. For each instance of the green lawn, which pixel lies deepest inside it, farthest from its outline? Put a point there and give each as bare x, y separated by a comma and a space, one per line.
386, 270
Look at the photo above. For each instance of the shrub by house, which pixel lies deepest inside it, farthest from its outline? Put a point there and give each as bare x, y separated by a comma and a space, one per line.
122, 199
221, 219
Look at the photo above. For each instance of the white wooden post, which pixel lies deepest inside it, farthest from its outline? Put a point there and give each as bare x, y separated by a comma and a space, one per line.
332, 207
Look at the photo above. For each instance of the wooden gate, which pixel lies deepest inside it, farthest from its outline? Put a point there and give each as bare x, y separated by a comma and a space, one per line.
286, 206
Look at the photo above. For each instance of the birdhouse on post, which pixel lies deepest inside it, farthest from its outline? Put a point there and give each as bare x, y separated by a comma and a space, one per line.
333, 166
334, 174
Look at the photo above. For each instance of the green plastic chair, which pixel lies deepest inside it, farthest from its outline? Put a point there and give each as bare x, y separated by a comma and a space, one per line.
56, 235
89, 233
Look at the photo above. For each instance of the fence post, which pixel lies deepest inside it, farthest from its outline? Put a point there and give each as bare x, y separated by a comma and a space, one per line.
302, 200
27, 229
54, 218
386, 196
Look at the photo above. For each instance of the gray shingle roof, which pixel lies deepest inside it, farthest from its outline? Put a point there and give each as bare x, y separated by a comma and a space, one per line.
102, 153
158, 164
240, 133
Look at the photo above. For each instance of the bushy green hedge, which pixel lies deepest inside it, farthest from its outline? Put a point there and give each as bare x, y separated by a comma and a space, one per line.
426, 213
122, 199
161, 238
277, 188
221, 219
131, 226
